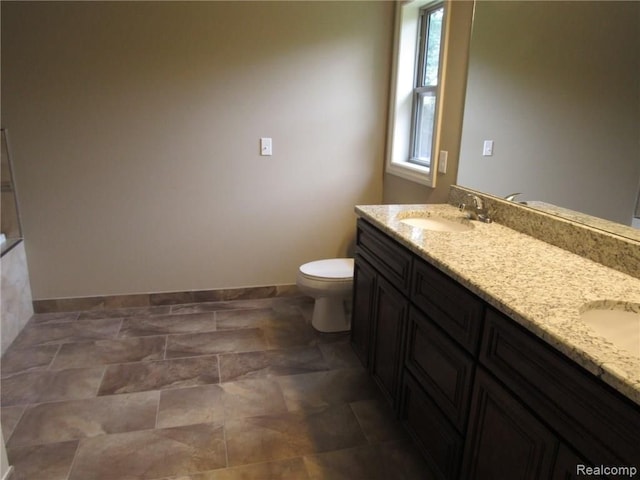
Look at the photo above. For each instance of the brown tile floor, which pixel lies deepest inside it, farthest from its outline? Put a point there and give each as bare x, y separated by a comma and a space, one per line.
219, 391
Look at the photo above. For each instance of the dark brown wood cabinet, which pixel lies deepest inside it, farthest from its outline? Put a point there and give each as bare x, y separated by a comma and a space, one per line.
592, 418
389, 322
447, 304
388, 257
482, 397
364, 287
440, 443
443, 332
443, 369
380, 307
504, 440
566, 464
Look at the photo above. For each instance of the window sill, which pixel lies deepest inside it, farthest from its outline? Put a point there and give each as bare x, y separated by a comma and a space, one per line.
410, 171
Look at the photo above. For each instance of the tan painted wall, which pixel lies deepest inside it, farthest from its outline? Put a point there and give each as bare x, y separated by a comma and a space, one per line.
399, 190
135, 131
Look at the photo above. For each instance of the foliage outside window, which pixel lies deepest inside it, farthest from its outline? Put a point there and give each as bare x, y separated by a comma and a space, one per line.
425, 97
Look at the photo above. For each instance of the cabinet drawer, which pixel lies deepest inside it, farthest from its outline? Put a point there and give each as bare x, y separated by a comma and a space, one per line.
441, 367
451, 306
390, 258
438, 441
595, 420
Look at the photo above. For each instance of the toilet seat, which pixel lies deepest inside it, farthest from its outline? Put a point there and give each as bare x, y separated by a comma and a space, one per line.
330, 270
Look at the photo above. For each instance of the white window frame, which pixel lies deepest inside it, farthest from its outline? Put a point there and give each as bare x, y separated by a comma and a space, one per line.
405, 59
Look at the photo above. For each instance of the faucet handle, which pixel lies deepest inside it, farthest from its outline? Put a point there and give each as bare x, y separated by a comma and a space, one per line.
476, 201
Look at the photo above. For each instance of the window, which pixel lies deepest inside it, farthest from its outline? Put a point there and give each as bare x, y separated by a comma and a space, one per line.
425, 96
417, 86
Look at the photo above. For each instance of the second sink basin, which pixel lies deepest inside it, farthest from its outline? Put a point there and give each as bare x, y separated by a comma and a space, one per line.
619, 326
438, 224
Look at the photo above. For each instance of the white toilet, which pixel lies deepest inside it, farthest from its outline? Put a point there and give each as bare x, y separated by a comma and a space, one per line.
330, 282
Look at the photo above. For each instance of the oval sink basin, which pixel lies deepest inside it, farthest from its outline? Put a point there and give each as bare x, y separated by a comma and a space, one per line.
438, 224
620, 327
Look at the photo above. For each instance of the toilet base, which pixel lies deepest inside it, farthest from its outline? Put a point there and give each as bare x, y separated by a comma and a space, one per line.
330, 315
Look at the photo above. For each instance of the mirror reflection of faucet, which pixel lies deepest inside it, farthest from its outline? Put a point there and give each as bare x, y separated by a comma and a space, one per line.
512, 198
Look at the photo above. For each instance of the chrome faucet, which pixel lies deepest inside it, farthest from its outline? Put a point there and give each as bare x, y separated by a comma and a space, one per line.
511, 197
475, 208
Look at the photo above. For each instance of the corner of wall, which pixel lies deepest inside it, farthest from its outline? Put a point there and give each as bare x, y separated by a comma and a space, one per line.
16, 304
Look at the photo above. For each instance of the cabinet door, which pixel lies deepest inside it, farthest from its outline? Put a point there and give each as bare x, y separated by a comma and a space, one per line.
390, 313
364, 283
439, 442
570, 466
504, 440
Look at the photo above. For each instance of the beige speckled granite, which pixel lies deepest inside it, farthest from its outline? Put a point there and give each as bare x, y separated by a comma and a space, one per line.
540, 286
593, 240
584, 219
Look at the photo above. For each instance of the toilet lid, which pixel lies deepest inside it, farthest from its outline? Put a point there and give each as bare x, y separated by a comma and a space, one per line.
331, 268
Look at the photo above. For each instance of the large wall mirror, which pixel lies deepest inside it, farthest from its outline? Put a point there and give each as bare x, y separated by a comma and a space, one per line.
556, 87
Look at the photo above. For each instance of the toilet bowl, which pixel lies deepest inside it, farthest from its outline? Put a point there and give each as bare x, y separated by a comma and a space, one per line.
330, 282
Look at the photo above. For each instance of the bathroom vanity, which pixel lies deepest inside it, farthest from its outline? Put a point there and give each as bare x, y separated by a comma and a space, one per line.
475, 339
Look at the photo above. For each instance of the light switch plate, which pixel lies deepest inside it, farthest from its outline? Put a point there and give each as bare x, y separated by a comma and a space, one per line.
266, 146
487, 148
442, 161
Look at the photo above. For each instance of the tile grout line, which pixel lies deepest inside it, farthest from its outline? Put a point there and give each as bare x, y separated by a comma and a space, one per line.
166, 346
55, 355
362, 430
119, 328
219, 370
15, 427
104, 373
155, 427
73, 460
224, 429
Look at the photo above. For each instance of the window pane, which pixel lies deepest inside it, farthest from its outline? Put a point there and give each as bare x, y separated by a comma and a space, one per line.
424, 132
432, 53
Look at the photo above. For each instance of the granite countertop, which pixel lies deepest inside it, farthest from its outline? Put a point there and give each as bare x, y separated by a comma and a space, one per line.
542, 287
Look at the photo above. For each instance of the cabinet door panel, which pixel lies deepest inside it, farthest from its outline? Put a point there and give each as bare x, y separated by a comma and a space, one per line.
442, 368
566, 467
364, 284
391, 309
438, 441
504, 440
